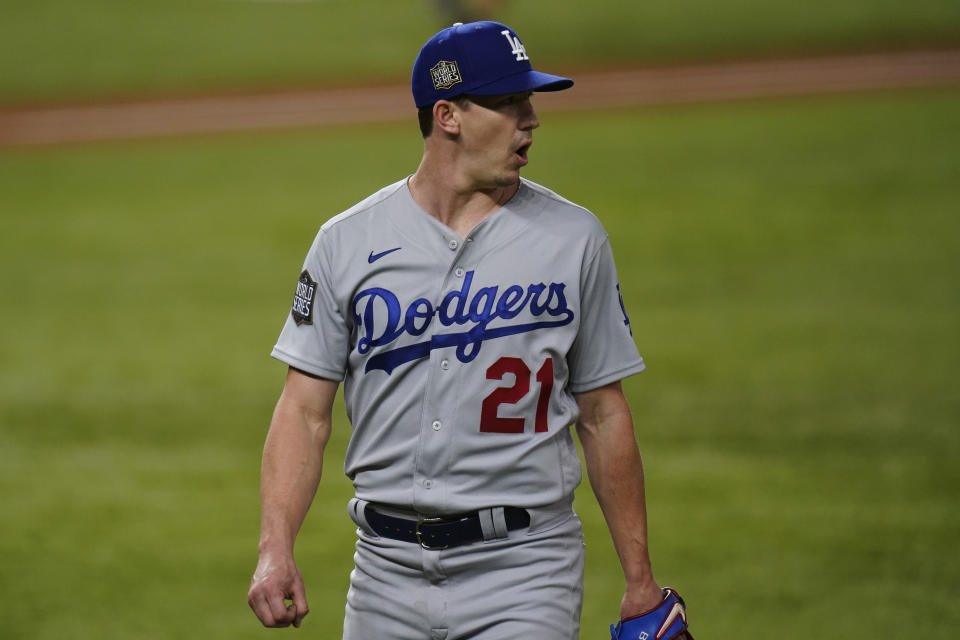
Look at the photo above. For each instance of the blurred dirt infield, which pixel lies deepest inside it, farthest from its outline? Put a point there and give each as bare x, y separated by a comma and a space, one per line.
41, 125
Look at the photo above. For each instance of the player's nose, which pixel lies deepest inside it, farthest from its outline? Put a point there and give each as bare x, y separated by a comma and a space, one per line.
528, 116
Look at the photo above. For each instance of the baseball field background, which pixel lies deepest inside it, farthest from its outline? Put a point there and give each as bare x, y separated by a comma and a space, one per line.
790, 267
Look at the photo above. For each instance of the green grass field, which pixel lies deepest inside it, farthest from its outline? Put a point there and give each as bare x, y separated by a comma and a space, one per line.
63, 50
789, 268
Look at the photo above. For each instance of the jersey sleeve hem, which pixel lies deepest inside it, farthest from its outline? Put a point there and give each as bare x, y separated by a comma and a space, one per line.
304, 365
596, 383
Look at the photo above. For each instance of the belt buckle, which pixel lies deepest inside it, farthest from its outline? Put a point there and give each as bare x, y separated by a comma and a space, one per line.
420, 541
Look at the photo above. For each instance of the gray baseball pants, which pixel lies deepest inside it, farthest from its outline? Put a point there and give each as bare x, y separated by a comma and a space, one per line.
527, 584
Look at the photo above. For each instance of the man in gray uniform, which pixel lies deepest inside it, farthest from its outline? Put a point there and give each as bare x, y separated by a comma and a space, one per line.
473, 316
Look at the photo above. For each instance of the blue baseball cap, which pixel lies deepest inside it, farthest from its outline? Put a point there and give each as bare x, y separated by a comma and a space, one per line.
477, 58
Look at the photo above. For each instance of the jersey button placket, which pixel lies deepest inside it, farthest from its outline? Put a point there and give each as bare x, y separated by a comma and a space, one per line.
441, 404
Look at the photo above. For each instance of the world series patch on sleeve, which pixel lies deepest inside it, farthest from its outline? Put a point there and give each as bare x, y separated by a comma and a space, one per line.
302, 310
668, 621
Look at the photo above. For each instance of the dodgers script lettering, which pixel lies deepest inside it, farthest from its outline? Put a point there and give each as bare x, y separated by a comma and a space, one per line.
381, 319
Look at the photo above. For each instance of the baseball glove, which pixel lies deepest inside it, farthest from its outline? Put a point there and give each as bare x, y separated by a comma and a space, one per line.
668, 621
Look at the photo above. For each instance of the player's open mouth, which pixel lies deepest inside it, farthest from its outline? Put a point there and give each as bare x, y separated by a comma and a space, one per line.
521, 152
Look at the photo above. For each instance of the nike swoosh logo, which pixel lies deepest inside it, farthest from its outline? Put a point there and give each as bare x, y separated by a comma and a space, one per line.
676, 612
376, 256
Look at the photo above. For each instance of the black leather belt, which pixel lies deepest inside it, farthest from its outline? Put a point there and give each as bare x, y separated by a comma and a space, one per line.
439, 533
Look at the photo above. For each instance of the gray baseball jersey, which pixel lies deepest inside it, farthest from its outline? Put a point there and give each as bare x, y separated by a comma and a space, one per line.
460, 356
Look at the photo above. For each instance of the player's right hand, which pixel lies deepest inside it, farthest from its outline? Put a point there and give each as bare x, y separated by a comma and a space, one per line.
275, 582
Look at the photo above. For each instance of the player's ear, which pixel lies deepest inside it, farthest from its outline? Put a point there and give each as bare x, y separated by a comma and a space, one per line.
446, 116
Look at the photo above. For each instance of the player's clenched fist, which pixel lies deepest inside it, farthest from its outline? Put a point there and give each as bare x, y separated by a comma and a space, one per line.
274, 583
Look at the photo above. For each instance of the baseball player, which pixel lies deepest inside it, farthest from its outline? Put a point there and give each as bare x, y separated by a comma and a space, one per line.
473, 317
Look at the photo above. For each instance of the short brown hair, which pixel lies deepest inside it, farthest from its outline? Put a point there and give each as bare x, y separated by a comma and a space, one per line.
425, 114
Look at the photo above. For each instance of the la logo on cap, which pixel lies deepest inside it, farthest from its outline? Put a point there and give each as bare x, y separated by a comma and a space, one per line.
445, 74
518, 49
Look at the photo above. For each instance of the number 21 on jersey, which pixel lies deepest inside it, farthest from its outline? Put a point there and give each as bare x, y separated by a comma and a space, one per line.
490, 420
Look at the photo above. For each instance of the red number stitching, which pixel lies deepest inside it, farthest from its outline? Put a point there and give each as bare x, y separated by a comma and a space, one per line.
491, 421
545, 378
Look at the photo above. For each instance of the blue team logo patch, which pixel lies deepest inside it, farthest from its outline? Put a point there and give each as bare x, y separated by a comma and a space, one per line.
623, 309
302, 310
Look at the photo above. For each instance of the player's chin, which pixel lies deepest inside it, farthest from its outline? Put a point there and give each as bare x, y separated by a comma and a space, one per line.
516, 167
508, 179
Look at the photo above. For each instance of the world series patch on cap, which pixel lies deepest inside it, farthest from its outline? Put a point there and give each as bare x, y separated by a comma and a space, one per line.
477, 58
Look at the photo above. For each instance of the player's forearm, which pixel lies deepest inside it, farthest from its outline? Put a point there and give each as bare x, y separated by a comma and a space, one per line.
290, 472
615, 470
